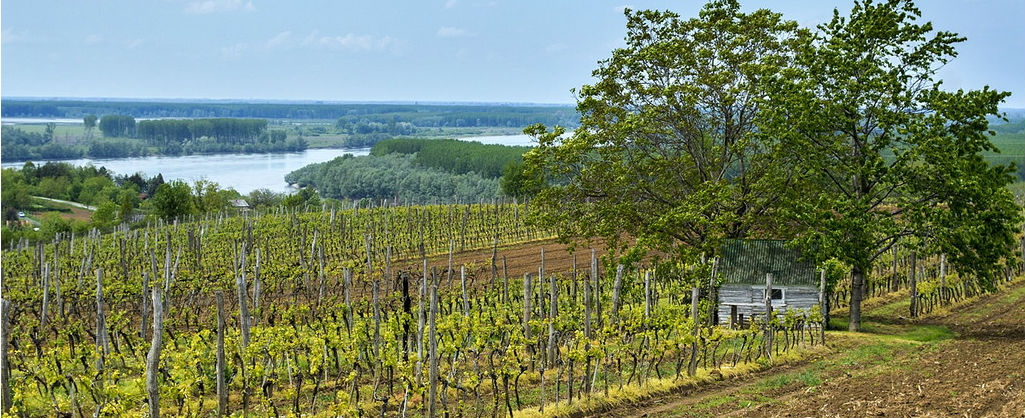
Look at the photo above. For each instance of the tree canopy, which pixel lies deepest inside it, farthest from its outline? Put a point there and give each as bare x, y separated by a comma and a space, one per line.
668, 151
744, 125
890, 154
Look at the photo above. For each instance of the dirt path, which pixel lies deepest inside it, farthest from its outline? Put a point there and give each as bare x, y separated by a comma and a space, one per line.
69, 203
968, 363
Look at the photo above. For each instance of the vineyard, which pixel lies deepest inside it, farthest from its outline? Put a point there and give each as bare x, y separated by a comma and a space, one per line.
341, 313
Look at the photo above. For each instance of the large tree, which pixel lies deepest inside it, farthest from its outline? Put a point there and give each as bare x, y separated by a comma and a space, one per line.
173, 200
891, 153
669, 152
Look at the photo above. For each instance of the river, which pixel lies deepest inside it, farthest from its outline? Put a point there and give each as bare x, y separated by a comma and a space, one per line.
244, 172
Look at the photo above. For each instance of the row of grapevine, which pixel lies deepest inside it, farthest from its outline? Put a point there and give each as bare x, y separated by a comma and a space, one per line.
310, 314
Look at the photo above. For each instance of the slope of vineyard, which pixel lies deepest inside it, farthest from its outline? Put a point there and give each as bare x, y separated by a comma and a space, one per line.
460, 310
965, 361
289, 313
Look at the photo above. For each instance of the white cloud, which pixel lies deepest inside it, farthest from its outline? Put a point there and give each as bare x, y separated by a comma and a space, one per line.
622, 8
280, 39
353, 42
135, 43
451, 3
213, 6
452, 32
11, 35
234, 51
93, 39
286, 40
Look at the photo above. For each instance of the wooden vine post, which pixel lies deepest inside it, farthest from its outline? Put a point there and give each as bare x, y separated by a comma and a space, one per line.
692, 366
5, 373
240, 283
713, 293
552, 314
102, 339
823, 306
222, 391
768, 316
432, 410
153, 358
943, 277
526, 305
913, 284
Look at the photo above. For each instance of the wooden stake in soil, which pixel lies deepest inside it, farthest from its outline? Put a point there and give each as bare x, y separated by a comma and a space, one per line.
102, 339
432, 410
913, 285
692, 366
526, 304
153, 358
822, 306
553, 313
222, 391
768, 316
5, 374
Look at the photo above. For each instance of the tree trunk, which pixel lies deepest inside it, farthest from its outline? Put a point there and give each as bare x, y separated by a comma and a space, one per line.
857, 280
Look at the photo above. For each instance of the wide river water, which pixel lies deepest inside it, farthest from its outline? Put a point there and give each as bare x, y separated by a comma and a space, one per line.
244, 172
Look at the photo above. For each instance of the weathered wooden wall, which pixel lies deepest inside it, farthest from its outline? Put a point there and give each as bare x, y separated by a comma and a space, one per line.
795, 297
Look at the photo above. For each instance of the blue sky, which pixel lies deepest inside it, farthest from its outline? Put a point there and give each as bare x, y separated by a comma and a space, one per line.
447, 50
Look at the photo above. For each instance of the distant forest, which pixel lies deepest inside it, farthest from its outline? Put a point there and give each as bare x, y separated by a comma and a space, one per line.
420, 170
421, 115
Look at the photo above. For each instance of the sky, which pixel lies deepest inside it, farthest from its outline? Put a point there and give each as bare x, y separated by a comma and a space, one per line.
439, 51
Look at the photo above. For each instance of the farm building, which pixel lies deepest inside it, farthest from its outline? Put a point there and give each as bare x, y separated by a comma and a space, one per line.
743, 265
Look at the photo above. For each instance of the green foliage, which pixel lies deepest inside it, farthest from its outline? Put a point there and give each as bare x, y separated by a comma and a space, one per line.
454, 156
669, 151
305, 196
173, 200
209, 197
129, 199
229, 130
19, 145
264, 198
517, 181
389, 177
52, 224
117, 126
104, 215
116, 148
16, 192
889, 153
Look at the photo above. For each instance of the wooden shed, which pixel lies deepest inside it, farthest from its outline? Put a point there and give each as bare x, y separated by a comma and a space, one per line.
743, 265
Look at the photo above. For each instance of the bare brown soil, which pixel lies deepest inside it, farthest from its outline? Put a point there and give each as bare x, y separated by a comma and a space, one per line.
979, 372
515, 260
76, 214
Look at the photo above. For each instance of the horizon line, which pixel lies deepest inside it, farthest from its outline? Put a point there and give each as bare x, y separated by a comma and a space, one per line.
281, 101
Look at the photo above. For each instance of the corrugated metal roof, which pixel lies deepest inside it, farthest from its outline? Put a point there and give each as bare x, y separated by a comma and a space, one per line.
747, 261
